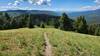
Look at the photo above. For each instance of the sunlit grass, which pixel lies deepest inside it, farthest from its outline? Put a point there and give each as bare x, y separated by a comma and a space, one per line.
30, 42
21, 42
73, 44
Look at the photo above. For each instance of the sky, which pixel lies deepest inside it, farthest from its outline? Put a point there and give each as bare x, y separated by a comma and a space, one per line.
53, 5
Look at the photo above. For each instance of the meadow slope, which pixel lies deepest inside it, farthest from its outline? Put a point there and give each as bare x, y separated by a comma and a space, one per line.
31, 42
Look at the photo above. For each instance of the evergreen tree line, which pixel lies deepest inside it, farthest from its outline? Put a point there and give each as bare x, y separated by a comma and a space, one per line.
79, 25
25, 20
60, 22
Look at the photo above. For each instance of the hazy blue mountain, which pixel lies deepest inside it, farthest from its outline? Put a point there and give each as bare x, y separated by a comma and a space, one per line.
92, 16
85, 13
19, 12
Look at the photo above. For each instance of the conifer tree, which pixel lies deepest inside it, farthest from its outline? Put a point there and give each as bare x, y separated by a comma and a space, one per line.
81, 25
42, 25
65, 22
29, 24
7, 20
97, 31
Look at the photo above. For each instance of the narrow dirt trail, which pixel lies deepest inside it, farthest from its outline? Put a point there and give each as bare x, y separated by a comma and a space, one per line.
48, 47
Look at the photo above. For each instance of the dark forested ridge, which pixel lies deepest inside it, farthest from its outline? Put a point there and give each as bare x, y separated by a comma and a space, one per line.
21, 19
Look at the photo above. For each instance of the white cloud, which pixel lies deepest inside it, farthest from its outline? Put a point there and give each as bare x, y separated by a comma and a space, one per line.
34, 2
97, 1
90, 7
8, 7
9, 3
39, 2
14, 5
85, 8
14, 8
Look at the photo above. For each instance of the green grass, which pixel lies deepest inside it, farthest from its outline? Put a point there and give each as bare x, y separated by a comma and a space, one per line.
30, 42
21, 42
73, 44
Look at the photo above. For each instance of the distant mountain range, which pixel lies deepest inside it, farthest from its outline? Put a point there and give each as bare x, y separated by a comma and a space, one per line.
19, 12
91, 16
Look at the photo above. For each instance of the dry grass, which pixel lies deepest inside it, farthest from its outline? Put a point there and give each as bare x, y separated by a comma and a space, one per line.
73, 44
30, 42
21, 42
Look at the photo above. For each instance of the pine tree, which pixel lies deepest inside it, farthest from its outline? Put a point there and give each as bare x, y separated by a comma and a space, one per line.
56, 24
97, 31
24, 20
91, 30
81, 25
65, 22
42, 25
14, 24
7, 20
30, 24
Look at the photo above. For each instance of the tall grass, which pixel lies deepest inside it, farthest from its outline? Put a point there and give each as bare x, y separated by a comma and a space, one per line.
21, 42
73, 44
30, 42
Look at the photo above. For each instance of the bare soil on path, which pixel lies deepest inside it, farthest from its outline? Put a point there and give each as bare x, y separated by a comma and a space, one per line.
48, 47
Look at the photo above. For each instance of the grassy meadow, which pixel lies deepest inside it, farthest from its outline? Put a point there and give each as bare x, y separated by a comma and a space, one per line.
21, 42
73, 44
30, 42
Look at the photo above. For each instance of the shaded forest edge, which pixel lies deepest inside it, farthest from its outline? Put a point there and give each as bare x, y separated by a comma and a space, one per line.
42, 20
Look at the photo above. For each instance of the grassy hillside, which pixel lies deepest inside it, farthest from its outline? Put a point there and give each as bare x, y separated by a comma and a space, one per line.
21, 42
73, 44
30, 42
